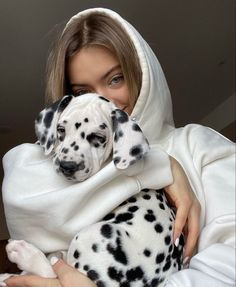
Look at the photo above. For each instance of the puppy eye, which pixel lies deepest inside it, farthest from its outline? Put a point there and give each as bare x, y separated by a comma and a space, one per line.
60, 130
96, 139
100, 138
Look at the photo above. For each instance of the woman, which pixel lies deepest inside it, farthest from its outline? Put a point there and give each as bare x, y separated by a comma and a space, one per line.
100, 52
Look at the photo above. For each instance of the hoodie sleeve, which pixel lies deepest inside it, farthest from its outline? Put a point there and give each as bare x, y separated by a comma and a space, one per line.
214, 266
214, 160
154, 171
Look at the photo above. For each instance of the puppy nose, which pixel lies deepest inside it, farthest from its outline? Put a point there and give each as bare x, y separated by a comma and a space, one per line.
68, 167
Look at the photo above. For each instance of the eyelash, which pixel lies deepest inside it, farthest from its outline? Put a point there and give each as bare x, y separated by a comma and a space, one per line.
119, 77
81, 92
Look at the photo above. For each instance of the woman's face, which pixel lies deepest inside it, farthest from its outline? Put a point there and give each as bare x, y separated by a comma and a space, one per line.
95, 69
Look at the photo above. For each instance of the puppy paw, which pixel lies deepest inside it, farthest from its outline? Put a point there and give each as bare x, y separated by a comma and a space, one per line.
29, 258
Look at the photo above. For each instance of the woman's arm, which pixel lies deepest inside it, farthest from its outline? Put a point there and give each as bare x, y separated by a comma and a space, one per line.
181, 196
214, 161
67, 277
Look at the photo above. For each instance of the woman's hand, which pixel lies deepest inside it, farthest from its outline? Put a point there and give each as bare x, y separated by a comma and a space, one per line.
188, 208
67, 276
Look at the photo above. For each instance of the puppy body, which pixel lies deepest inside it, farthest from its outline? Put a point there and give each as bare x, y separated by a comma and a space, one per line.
132, 244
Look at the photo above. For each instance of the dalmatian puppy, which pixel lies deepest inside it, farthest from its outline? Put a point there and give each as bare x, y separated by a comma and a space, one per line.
132, 246
83, 141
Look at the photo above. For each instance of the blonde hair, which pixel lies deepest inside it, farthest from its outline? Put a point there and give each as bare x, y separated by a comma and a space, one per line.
94, 29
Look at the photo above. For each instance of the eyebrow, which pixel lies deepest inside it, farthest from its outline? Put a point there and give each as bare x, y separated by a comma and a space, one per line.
102, 78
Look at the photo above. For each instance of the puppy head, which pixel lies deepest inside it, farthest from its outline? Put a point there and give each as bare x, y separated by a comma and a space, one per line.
81, 133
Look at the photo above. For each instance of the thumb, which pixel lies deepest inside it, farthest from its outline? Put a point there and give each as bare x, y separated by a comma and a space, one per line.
61, 269
69, 276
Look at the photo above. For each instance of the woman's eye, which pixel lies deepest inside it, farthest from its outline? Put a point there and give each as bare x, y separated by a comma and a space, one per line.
81, 92
116, 80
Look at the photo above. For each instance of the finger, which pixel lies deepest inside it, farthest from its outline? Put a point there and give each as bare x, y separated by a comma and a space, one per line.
68, 275
180, 220
31, 281
61, 268
193, 233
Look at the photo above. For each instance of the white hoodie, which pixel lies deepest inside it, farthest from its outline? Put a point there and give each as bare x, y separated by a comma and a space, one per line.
44, 209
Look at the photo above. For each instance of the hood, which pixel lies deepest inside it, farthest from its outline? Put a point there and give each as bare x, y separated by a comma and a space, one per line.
153, 109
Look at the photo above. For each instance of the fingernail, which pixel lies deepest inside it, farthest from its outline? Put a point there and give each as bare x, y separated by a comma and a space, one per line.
54, 260
186, 259
2, 284
177, 242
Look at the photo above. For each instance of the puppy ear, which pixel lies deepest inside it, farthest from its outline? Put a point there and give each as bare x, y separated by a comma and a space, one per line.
129, 142
46, 124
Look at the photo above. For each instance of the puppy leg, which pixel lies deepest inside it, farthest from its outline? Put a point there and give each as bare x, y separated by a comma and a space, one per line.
28, 258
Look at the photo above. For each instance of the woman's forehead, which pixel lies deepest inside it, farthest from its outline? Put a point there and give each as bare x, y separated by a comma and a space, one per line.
94, 59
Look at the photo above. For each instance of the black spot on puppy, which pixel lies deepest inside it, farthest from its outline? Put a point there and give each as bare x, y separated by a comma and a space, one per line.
118, 134
167, 240
147, 252
116, 160
114, 274
82, 135
160, 258
49, 143
124, 216
109, 216
48, 118
95, 247
134, 274
39, 118
77, 125
93, 275
104, 99
158, 227
117, 252
76, 254
121, 116
106, 231
100, 283
133, 208
146, 196
43, 140
167, 266
150, 217
64, 103
161, 205
136, 128
136, 151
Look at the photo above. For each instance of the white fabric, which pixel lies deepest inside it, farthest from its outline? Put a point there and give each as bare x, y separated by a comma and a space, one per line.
47, 211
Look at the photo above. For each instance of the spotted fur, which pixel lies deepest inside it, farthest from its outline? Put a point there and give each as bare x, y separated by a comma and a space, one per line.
83, 131
132, 246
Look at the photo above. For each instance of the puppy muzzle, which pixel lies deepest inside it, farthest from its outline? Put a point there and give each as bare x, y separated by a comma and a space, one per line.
69, 168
